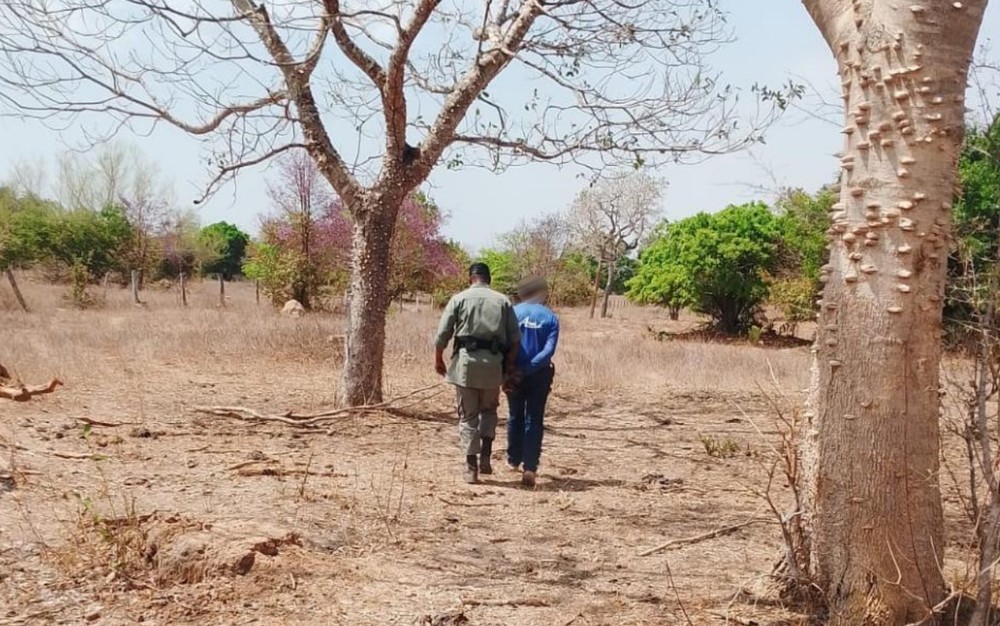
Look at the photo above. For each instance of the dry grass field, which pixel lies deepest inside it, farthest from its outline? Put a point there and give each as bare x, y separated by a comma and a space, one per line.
119, 504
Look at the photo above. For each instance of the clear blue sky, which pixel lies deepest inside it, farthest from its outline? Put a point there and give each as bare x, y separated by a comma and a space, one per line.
775, 41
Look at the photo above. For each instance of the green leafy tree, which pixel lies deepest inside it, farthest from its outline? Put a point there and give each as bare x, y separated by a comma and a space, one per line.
973, 266
803, 220
542, 247
275, 269
503, 267
98, 240
27, 226
715, 264
229, 245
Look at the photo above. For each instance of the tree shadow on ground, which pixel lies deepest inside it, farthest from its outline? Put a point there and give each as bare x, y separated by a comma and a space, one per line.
554, 483
432, 417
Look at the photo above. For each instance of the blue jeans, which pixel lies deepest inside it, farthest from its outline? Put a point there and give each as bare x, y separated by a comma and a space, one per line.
527, 416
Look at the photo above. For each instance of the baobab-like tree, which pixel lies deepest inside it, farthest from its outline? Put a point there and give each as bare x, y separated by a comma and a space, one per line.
875, 513
611, 218
379, 92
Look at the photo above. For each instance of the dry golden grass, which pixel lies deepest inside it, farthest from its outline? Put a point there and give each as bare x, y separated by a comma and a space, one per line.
389, 534
612, 354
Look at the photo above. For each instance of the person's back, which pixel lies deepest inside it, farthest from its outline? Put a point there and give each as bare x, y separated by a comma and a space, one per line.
486, 339
482, 320
539, 330
526, 400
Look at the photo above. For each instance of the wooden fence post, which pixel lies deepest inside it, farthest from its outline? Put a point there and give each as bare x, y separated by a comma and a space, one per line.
17, 291
256, 290
222, 290
135, 287
184, 295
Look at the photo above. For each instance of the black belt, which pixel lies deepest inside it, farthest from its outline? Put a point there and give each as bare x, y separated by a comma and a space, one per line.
475, 343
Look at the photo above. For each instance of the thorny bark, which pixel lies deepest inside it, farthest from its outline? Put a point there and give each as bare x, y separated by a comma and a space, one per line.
368, 301
872, 489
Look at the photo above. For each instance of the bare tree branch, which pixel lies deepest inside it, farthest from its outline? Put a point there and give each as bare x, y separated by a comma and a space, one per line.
352, 50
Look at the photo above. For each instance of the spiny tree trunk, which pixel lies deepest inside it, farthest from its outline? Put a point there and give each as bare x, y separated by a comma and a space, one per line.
876, 516
368, 300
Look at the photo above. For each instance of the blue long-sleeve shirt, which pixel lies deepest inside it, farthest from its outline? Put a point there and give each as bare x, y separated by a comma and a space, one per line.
539, 336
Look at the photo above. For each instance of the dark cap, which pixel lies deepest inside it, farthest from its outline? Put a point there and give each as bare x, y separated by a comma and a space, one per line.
481, 270
531, 286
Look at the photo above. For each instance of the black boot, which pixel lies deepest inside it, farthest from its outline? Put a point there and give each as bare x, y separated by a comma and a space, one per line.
485, 467
471, 475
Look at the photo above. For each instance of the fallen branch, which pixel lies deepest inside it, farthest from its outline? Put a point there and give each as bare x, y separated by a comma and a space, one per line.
313, 420
76, 457
240, 466
23, 393
472, 504
93, 422
728, 530
535, 602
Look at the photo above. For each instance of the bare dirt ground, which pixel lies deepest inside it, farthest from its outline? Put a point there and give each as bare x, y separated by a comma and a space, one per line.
119, 504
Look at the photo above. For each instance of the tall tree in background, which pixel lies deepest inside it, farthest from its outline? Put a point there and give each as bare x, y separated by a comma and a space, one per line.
714, 264
610, 220
876, 517
611, 78
228, 247
302, 199
305, 247
27, 228
543, 246
120, 176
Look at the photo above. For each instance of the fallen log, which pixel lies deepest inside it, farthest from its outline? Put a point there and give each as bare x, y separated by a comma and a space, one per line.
19, 392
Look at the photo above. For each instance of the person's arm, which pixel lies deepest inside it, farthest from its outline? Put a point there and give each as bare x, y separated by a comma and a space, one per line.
446, 330
513, 332
551, 342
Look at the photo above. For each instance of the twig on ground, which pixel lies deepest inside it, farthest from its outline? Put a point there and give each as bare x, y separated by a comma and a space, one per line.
93, 422
313, 420
680, 603
75, 457
699, 538
534, 602
240, 466
472, 504
23, 393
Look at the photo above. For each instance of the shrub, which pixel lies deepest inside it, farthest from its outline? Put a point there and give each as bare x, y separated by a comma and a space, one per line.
713, 264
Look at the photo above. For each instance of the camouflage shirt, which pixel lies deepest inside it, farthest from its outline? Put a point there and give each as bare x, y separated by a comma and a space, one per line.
484, 314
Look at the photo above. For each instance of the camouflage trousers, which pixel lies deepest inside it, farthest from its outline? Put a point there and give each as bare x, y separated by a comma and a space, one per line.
477, 416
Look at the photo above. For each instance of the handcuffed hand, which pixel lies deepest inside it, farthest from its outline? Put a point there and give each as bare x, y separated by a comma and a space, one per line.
511, 381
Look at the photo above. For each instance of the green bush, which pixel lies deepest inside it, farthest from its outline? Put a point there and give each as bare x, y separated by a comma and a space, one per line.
713, 264
228, 247
796, 298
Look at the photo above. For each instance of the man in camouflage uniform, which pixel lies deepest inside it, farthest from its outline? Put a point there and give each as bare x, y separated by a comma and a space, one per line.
487, 337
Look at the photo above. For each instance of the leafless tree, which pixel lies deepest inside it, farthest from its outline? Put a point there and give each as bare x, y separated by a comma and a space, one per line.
973, 291
538, 244
119, 174
610, 220
379, 92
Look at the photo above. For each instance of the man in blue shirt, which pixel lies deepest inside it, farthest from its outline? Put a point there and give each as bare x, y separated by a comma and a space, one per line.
539, 336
